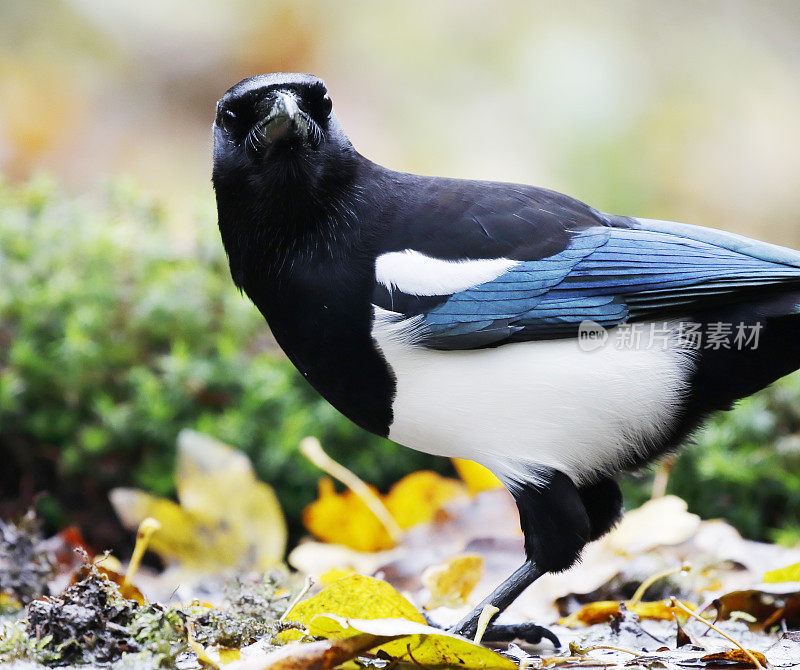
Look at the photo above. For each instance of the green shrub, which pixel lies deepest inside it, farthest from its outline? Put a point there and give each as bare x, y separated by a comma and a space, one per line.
119, 327
745, 465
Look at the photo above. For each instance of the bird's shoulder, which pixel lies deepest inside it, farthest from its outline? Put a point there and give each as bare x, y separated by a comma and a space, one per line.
457, 219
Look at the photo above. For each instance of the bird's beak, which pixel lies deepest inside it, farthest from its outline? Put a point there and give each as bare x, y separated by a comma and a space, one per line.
284, 119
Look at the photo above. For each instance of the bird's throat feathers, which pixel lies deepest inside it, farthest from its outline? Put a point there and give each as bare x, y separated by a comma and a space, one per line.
284, 214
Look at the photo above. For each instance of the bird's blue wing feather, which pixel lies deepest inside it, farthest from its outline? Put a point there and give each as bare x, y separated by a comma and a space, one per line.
608, 275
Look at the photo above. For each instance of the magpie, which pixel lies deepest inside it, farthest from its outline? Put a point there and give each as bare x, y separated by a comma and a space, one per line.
493, 321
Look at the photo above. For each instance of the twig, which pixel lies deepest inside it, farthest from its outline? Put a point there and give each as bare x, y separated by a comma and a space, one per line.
652, 579
581, 650
312, 450
306, 588
485, 617
661, 478
143, 535
677, 603
586, 662
411, 656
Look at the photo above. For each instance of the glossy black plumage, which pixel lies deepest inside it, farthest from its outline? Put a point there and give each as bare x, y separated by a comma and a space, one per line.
306, 220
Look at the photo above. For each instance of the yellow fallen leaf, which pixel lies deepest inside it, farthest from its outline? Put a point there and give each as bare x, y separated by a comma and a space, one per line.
356, 596
211, 475
422, 644
9, 603
791, 573
344, 518
334, 575
451, 581
226, 516
182, 538
602, 611
475, 476
311, 448
227, 655
417, 497
109, 562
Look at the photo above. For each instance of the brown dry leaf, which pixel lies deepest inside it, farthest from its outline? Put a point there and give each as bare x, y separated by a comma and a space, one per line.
226, 516
344, 518
769, 604
322, 655
602, 611
421, 644
681, 636
451, 581
475, 476
733, 657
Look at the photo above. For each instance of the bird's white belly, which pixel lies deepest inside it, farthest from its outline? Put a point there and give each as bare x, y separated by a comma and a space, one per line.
525, 405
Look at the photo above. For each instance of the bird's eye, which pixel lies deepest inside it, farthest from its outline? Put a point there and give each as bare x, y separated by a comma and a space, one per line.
326, 104
226, 119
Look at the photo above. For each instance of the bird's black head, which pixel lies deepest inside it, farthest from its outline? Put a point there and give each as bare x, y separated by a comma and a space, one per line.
284, 171
278, 131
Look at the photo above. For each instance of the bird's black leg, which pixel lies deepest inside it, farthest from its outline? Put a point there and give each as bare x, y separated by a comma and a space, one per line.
557, 519
501, 598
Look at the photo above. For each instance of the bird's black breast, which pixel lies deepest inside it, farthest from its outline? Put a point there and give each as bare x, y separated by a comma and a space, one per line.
321, 316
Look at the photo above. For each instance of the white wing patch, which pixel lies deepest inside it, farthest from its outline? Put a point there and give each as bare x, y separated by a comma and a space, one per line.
417, 274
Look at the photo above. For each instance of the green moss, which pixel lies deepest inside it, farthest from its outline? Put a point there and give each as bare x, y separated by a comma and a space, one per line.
118, 328
91, 623
160, 633
252, 609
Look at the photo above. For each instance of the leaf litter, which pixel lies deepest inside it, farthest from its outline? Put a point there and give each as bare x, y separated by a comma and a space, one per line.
226, 601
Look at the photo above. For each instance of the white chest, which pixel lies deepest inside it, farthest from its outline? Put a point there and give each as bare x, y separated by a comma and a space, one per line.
532, 404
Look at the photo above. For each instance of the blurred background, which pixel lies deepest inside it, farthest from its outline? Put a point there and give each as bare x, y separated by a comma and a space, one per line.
118, 321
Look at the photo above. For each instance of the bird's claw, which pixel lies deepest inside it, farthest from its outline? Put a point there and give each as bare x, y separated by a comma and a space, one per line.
527, 632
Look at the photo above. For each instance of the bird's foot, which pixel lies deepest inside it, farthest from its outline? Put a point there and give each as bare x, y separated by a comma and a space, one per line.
499, 600
526, 632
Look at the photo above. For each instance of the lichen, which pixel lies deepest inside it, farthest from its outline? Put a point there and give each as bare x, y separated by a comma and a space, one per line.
91, 623
251, 611
85, 624
26, 565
